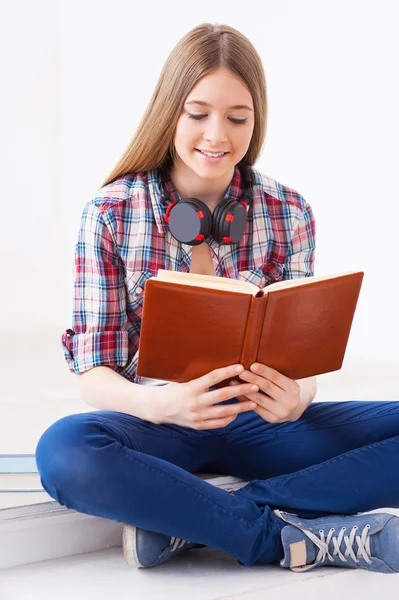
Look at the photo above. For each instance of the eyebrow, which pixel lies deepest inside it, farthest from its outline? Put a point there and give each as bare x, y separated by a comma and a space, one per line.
236, 106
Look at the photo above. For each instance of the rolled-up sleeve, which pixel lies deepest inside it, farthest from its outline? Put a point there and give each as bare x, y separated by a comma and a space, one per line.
301, 257
98, 335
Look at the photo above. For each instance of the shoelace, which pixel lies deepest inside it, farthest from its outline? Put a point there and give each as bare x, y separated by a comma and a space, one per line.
363, 544
177, 543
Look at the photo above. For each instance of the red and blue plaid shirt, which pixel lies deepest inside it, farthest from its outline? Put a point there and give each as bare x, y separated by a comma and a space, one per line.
124, 239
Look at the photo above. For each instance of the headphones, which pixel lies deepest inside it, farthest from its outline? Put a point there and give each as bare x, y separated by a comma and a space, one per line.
191, 221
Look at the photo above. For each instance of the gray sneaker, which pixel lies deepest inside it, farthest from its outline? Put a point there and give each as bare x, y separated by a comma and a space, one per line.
367, 541
142, 548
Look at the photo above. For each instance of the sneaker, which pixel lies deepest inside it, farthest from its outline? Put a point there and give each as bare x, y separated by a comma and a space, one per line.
142, 548
367, 541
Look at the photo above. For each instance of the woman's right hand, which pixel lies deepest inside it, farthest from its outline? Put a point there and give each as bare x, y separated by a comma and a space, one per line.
190, 404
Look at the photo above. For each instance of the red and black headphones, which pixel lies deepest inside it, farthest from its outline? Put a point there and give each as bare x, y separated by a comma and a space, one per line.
190, 220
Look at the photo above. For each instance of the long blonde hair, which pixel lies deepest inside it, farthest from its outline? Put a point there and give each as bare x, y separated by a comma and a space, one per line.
201, 51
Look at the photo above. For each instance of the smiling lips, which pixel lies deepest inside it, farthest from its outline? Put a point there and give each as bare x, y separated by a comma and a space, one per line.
211, 151
212, 154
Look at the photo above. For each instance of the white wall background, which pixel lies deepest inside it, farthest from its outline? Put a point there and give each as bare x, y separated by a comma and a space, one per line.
78, 74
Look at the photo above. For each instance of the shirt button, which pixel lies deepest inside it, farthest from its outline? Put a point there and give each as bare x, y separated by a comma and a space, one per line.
139, 290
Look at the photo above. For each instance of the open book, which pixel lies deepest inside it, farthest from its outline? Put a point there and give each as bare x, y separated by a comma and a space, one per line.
193, 324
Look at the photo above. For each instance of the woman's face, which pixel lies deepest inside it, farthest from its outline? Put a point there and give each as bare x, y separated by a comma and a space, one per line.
217, 127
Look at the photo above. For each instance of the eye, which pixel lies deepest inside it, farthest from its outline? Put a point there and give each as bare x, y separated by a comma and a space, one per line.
235, 121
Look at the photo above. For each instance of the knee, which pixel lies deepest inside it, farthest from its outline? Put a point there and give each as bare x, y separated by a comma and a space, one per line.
64, 455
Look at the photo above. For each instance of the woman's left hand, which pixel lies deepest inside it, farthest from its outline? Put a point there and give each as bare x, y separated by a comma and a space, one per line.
279, 397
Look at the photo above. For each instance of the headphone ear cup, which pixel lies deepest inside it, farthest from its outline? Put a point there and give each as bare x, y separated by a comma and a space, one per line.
232, 229
186, 225
218, 218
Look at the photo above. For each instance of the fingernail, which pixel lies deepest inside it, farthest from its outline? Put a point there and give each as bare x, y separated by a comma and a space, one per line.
238, 369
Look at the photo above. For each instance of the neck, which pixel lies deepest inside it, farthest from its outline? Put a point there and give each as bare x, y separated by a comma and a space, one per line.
190, 185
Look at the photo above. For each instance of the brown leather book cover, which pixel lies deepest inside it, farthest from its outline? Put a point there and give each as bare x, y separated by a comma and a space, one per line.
299, 327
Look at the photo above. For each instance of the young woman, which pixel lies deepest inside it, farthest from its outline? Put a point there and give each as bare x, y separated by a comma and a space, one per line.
185, 196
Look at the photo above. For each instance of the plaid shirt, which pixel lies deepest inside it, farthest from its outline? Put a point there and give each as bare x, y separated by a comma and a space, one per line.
124, 239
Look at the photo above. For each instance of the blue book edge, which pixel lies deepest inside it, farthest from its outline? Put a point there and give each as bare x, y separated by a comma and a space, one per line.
18, 463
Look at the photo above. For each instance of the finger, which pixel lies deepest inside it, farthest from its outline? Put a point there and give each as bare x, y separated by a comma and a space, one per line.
273, 376
211, 379
215, 423
268, 415
266, 386
267, 406
227, 411
226, 393
271, 410
243, 398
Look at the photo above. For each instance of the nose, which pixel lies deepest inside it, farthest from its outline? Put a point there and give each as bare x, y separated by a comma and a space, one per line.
214, 132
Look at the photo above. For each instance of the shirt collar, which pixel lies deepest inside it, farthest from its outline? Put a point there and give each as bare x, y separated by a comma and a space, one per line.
234, 191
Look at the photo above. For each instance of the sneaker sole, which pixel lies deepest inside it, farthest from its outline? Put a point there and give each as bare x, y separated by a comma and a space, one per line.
129, 546
389, 510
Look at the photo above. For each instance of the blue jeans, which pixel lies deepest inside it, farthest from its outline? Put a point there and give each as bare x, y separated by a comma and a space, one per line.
338, 458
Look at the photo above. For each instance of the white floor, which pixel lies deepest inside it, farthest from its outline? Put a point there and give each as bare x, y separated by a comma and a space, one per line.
38, 389
199, 574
